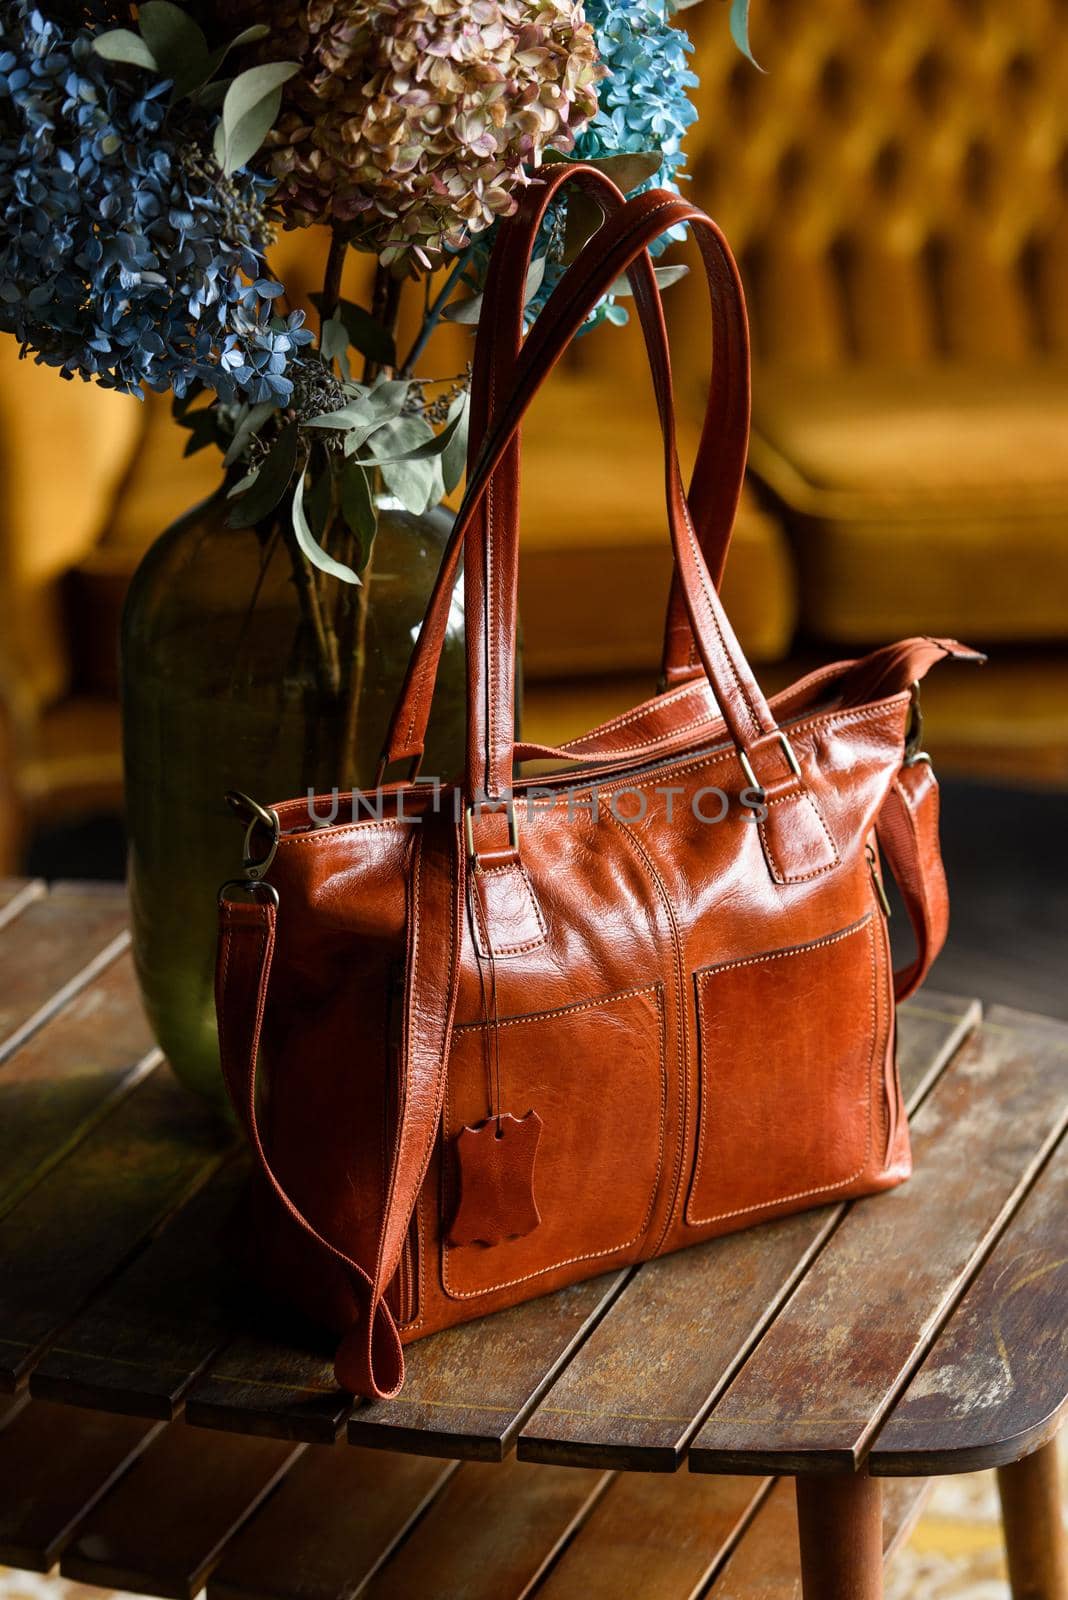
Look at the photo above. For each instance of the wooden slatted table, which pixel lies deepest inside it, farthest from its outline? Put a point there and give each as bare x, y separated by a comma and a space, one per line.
858, 1348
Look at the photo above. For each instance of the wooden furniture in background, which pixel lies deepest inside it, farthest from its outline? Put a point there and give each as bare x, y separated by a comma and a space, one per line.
895, 186
163, 1430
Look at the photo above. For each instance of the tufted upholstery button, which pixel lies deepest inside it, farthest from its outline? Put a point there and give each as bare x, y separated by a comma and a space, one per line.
930, 82
977, 171
835, 84
888, 166
885, 122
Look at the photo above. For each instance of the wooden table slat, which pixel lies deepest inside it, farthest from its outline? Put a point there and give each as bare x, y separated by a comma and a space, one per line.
490, 1533
653, 1537
469, 1389
824, 1375
55, 1473
992, 1389
278, 1386
69, 1074
334, 1520
80, 1223
766, 1564
636, 1391
165, 1525
16, 894
52, 948
140, 1342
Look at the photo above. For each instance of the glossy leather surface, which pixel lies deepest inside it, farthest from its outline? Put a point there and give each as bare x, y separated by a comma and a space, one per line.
674, 954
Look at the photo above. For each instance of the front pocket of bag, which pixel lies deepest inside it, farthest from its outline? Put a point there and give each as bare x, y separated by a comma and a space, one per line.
787, 1043
596, 1074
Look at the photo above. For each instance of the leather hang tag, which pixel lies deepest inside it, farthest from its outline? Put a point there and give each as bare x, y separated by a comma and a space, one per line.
496, 1171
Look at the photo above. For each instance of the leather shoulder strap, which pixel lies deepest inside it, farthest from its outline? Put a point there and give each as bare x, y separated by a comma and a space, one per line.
907, 829
370, 1359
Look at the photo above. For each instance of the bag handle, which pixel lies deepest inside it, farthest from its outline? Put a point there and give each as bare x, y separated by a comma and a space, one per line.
719, 467
795, 839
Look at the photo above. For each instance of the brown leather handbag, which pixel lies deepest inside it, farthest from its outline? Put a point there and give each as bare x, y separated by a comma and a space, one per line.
518, 1031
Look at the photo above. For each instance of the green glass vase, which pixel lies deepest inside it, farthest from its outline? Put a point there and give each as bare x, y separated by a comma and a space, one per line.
224, 687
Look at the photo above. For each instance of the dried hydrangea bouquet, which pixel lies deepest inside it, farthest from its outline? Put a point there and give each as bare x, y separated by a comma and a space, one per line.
149, 154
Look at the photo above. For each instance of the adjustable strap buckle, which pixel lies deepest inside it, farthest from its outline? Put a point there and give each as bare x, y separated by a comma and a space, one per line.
508, 805
788, 754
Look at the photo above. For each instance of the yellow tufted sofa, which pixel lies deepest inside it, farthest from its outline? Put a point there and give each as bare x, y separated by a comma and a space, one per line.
896, 186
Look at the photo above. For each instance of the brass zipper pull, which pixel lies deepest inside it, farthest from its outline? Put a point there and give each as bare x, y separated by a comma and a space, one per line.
877, 882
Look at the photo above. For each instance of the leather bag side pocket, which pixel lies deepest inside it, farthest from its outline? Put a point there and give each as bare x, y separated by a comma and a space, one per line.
789, 1057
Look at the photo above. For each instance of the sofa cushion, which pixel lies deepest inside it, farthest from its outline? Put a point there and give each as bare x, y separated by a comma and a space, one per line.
595, 561
926, 501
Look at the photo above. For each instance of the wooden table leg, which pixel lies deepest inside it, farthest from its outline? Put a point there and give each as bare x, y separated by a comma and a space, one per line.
1034, 1526
840, 1523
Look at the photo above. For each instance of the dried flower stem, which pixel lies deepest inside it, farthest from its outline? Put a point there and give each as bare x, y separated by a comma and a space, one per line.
335, 267
434, 312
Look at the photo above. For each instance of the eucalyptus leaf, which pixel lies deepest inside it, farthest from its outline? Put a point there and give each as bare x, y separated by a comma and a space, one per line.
333, 338
628, 170
454, 456
401, 438
239, 143
249, 109
318, 501
466, 311
250, 424
174, 38
665, 277
258, 30
354, 414
416, 484
275, 476
739, 26
358, 509
534, 279
366, 335
583, 218
431, 444
387, 398
121, 44
309, 545
414, 479
242, 484
210, 95
356, 438
469, 311
205, 93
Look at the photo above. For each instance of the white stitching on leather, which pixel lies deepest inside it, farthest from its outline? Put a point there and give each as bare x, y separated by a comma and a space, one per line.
558, 1011
749, 961
590, 1255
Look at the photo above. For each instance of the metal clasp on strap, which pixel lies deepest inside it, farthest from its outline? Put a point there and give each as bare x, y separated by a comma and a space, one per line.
914, 730
254, 867
508, 806
265, 893
787, 750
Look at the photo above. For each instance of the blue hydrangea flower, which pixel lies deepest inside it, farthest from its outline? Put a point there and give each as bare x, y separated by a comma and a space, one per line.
643, 105
643, 102
124, 254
